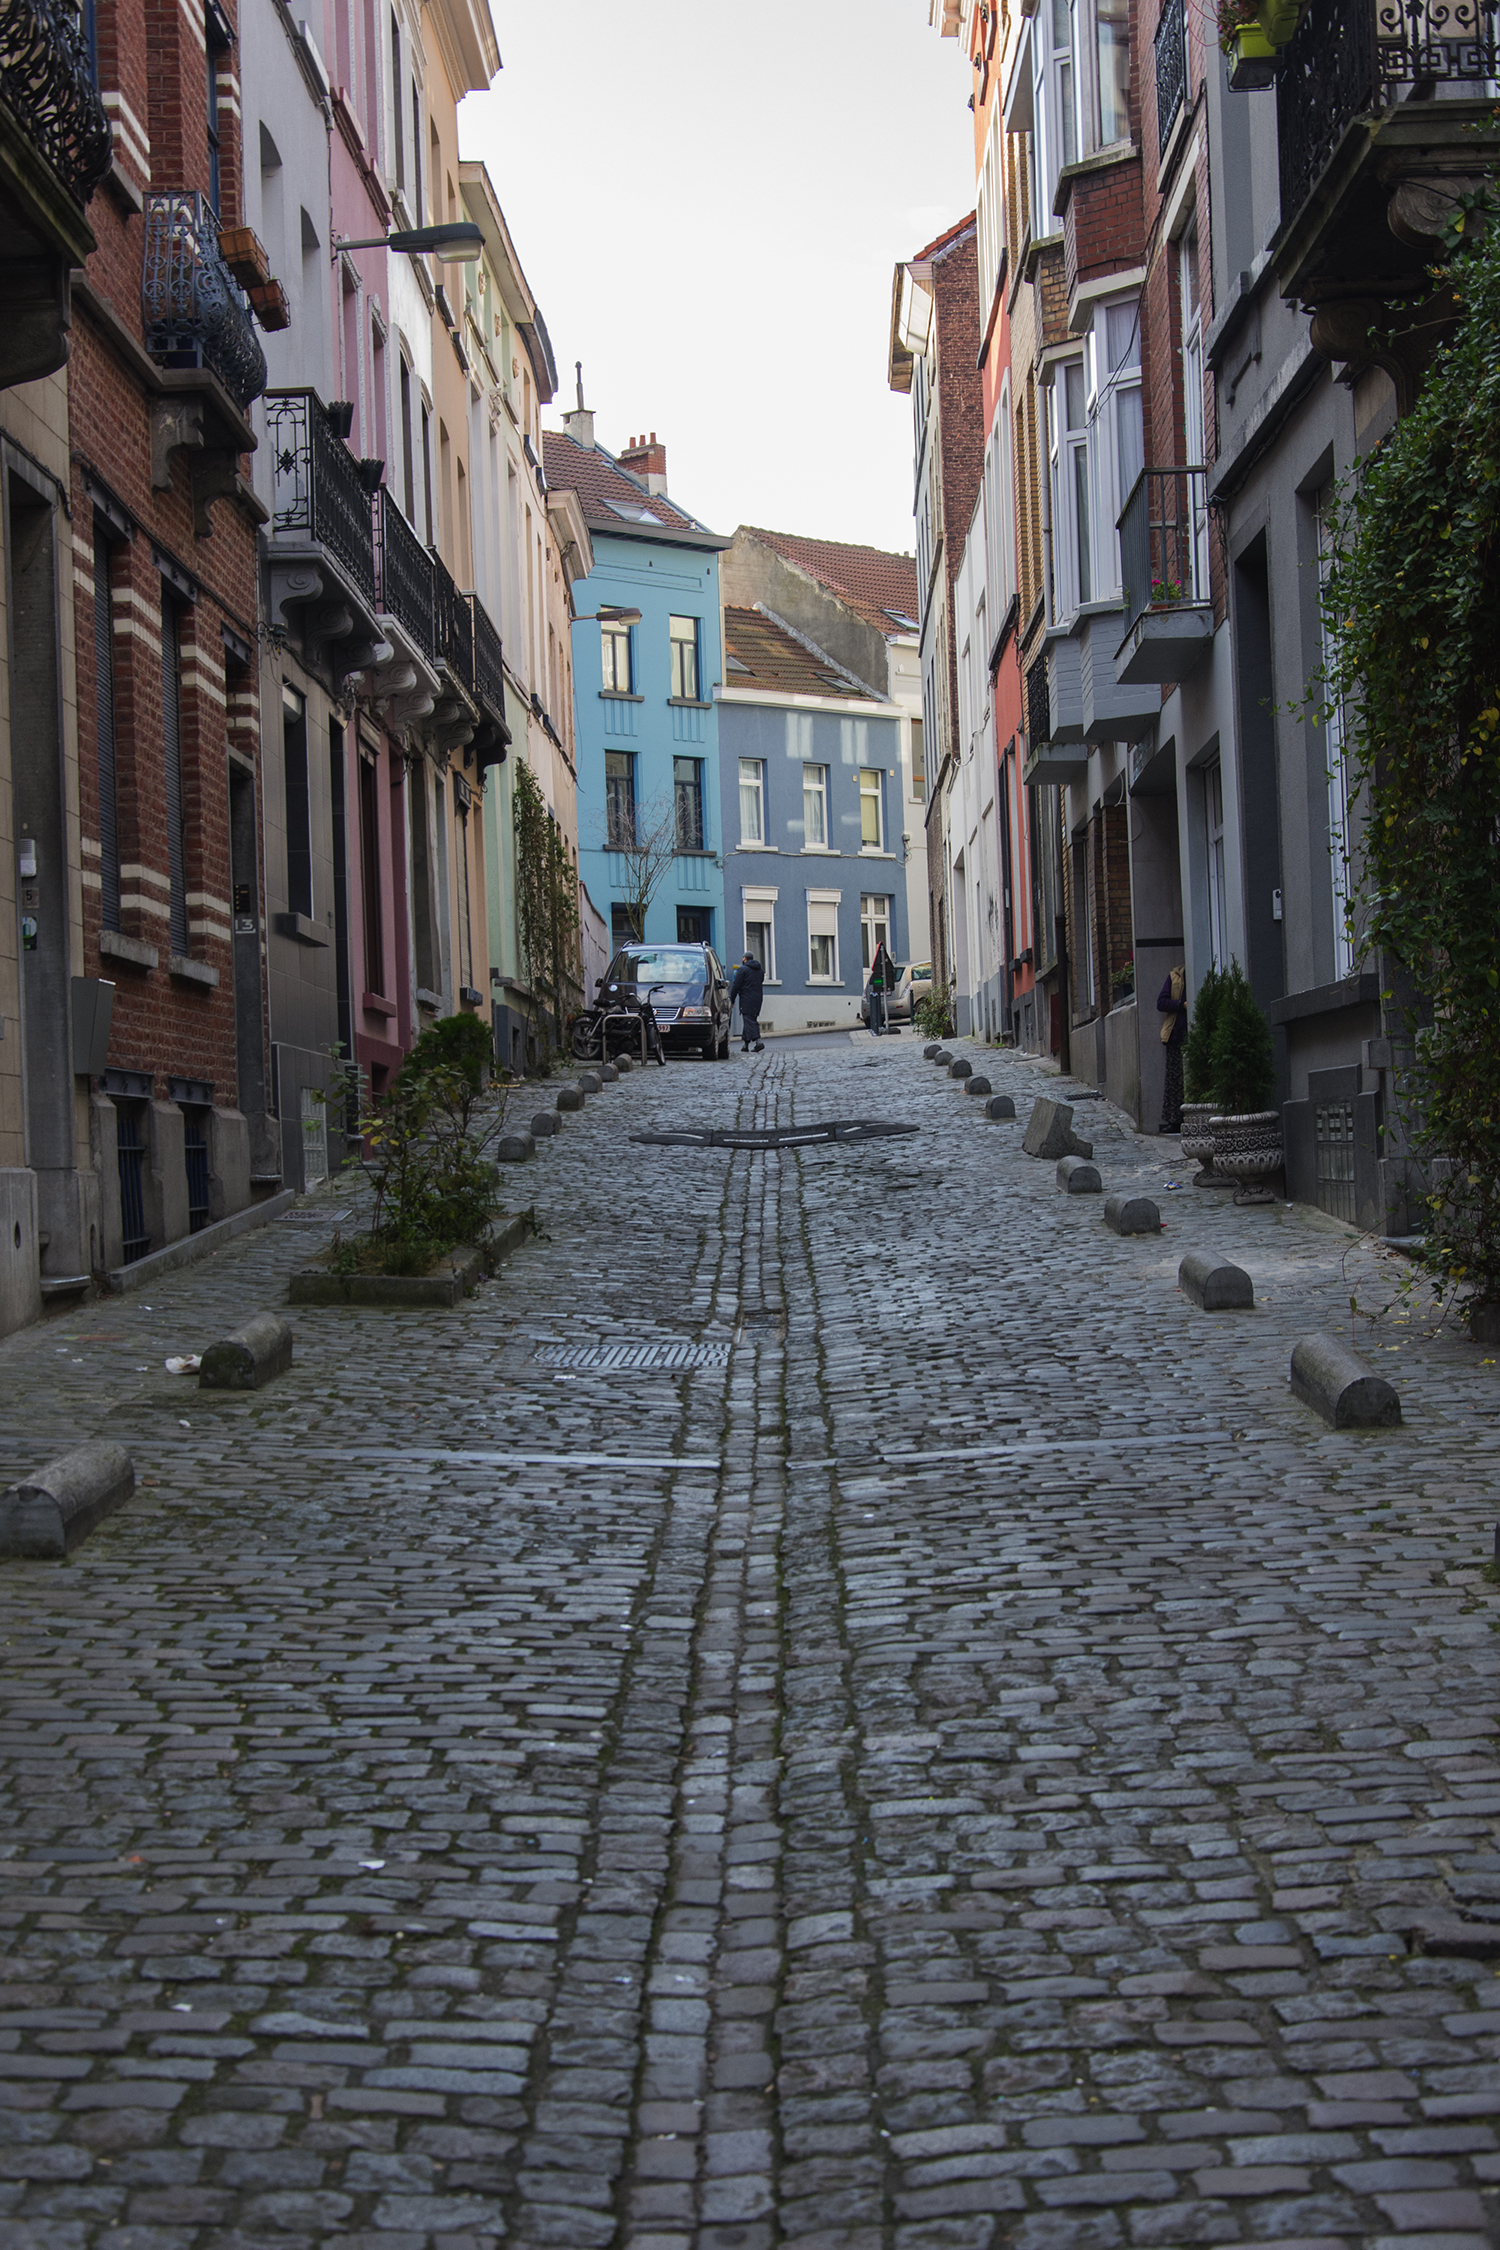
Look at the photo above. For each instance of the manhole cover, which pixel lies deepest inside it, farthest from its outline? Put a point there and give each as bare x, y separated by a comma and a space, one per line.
787, 1136
602, 1358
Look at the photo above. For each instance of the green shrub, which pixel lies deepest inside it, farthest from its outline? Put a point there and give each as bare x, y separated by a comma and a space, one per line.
464, 1043
1244, 1067
933, 1014
1198, 1048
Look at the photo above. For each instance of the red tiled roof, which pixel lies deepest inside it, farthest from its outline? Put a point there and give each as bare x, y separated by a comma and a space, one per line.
943, 241
761, 654
871, 581
598, 481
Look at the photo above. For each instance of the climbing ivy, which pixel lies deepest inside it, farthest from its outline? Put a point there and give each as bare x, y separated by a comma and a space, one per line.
1412, 602
546, 900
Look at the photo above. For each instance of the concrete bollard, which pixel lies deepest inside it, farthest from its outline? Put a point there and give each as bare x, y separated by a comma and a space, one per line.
545, 1122
248, 1356
569, 1097
942, 1058
515, 1148
976, 1085
1050, 1134
1213, 1287
960, 1068
1131, 1214
590, 1083
932, 1050
1336, 1383
609, 1074
999, 1105
620, 1065
1076, 1176
46, 1516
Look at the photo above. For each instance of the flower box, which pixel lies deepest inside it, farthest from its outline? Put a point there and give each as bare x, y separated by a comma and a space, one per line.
245, 255
268, 303
1252, 60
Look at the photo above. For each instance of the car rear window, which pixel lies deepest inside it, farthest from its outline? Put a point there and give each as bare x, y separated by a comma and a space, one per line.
667, 964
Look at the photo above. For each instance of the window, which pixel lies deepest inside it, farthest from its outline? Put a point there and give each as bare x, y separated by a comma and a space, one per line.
1054, 133
871, 827
614, 651
104, 707
217, 41
1194, 442
408, 475
465, 907
1112, 54
1338, 768
999, 518
299, 890
760, 930
1068, 448
622, 930
687, 799
695, 925
416, 152
369, 874
823, 937
399, 136
814, 806
619, 799
874, 927
991, 215
684, 632
171, 716
1218, 904
1116, 442
427, 471
752, 801
918, 763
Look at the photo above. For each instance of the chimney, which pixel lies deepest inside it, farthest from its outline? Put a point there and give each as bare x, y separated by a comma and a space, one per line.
578, 422
646, 459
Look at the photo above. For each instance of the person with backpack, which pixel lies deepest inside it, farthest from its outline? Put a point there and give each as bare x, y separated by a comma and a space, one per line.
747, 986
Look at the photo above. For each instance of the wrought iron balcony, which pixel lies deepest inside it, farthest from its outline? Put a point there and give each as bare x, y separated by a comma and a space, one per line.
489, 666
47, 82
1164, 530
316, 490
1171, 71
455, 626
1038, 702
404, 574
196, 313
1357, 59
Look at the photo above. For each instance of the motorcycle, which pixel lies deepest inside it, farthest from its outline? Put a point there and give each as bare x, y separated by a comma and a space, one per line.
616, 1026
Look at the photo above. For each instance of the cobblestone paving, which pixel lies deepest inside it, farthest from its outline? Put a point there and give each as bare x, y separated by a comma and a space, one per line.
955, 1774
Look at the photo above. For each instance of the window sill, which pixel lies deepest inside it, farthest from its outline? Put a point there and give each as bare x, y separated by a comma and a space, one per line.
689, 703
373, 1005
828, 984
874, 851
431, 1001
760, 847
301, 927
693, 851
619, 695
187, 971
820, 851
115, 946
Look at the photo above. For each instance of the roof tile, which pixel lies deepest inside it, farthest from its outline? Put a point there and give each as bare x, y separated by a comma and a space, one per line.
761, 654
879, 586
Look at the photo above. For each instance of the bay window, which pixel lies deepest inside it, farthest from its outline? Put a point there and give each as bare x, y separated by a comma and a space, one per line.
1116, 436
1068, 451
1080, 91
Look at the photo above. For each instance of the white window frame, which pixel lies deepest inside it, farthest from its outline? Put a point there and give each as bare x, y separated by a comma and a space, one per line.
876, 915
877, 775
688, 640
756, 790
991, 216
1000, 514
824, 904
758, 907
1068, 462
1218, 889
817, 790
1054, 105
1111, 476
611, 639
1193, 418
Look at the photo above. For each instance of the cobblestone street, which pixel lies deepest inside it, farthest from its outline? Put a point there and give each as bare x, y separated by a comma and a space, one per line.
959, 1767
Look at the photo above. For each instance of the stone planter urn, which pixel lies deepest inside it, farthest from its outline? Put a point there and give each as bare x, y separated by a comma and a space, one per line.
1248, 1151
1198, 1141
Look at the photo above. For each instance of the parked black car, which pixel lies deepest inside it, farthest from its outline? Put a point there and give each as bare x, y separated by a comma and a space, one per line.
688, 990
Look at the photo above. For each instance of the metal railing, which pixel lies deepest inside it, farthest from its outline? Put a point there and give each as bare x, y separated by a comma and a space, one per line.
455, 625
403, 573
196, 313
1171, 70
489, 662
315, 485
1164, 541
1038, 704
1353, 58
47, 81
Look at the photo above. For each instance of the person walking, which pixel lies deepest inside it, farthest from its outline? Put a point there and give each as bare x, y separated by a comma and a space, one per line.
882, 981
747, 986
1172, 1004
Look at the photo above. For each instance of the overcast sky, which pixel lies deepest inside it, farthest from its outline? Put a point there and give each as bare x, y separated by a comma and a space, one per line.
708, 197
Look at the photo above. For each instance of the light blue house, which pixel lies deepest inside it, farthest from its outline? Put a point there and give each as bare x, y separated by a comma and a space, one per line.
815, 865
647, 661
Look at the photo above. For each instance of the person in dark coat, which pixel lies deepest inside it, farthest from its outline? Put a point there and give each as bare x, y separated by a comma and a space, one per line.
1171, 1002
882, 985
747, 986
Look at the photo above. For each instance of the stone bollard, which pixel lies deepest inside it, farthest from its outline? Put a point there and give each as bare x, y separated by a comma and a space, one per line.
1050, 1134
46, 1516
942, 1058
1213, 1287
1336, 1383
620, 1065
590, 1083
931, 1051
1076, 1176
999, 1105
609, 1074
976, 1085
515, 1148
569, 1097
1131, 1214
248, 1356
545, 1122
960, 1068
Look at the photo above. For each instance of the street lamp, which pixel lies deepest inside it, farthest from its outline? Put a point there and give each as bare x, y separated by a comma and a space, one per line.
459, 244
608, 614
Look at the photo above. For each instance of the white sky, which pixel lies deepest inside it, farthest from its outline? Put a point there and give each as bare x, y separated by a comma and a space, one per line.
708, 197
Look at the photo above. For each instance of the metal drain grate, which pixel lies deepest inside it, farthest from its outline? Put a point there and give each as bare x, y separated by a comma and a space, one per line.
608, 1358
787, 1136
321, 1218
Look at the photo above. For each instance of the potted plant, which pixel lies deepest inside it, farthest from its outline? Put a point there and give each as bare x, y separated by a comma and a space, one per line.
1246, 1135
1251, 51
1198, 1082
1122, 983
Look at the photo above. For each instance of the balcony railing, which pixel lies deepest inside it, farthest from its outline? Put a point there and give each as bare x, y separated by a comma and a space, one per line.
1038, 704
1171, 70
47, 81
489, 665
316, 492
195, 312
1354, 58
403, 571
1164, 541
455, 626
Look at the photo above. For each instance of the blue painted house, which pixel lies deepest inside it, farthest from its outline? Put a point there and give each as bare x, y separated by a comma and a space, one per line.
815, 865
647, 661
